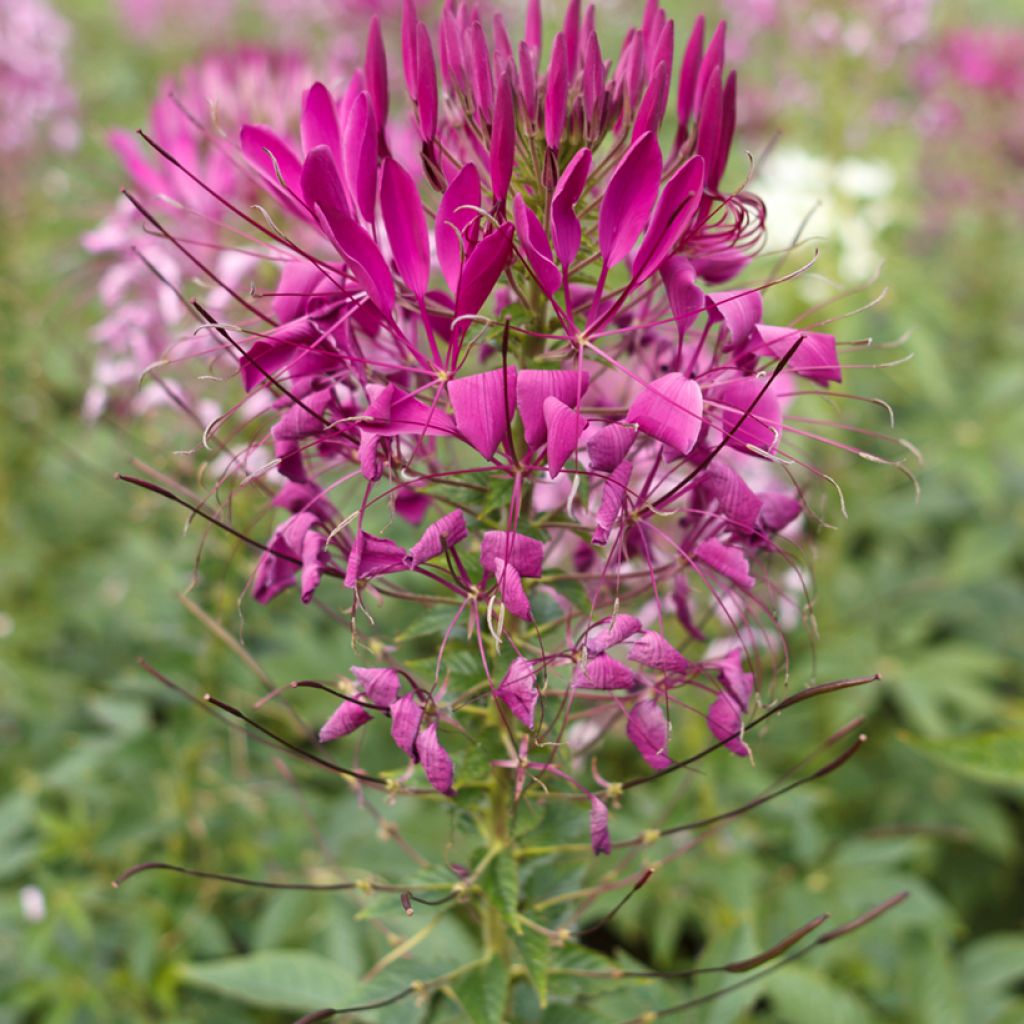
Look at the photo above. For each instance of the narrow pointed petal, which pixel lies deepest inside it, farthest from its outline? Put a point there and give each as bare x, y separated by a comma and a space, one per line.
680, 199
669, 409
613, 497
604, 673
565, 426
347, 718
566, 232
534, 25
533, 387
518, 691
651, 111
437, 764
534, 243
503, 141
319, 123
426, 85
725, 721
459, 208
612, 632
359, 150
726, 560
526, 554
647, 730
406, 226
600, 841
740, 312
556, 95
481, 271
446, 532
628, 199
313, 562
510, 586
652, 650
410, 22
406, 715
484, 405
608, 446
363, 258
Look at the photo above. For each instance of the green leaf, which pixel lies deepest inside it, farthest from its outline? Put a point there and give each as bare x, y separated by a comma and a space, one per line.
281, 979
484, 992
996, 758
536, 952
802, 995
501, 884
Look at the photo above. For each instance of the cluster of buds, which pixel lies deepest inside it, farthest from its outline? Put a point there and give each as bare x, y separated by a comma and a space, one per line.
499, 358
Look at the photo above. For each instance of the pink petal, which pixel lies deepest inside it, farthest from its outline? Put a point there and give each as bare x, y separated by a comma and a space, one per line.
814, 358
669, 409
607, 447
534, 386
726, 723
613, 497
737, 683
628, 199
406, 224
740, 311
534, 24
556, 95
482, 269
647, 729
484, 404
751, 414
445, 532
503, 141
410, 23
392, 412
510, 586
313, 560
526, 554
688, 71
359, 146
565, 227
777, 511
273, 157
406, 715
375, 69
381, 684
611, 632
604, 673
687, 301
426, 85
600, 841
372, 556
679, 201
565, 426
654, 651
534, 243
436, 763
726, 560
518, 691
571, 35
459, 208
319, 123
321, 183
347, 718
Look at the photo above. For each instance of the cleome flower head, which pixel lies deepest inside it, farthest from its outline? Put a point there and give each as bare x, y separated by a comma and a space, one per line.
503, 370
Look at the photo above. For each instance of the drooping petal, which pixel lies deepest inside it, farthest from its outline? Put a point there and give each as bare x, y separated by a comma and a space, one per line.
518, 691
406, 715
613, 497
604, 673
647, 729
739, 310
726, 723
363, 257
565, 426
735, 502
347, 718
815, 356
534, 243
359, 149
273, 157
751, 414
445, 532
437, 764
611, 632
392, 412
526, 554
484, 404
608, 446
375, 69
510, 586
534, 386
313, 562
426, 84
679, 201
628, 199
654, 651
726, 560
669, 409
381, 684
406, 225
566, 232
458, 209
600, 841
480, 273
778, 510
372, 556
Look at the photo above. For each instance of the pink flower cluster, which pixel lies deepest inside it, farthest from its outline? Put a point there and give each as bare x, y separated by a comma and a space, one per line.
37, 103
505, 373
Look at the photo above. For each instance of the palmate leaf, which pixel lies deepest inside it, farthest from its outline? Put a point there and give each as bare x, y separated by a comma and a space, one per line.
996, 758
280, 979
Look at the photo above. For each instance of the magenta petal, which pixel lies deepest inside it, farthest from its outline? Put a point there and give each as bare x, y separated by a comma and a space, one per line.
647, 729
459, 208
565, 227
726, 724
482, 269
406, 715
604, 673
436, 763
426, 84
534, 386
600, 841
410, 22
669, 409
313, 545
348, 717
607, 447
359, 149
321, 183
679, 201
778, 510
381, 684
815, 356
518, 691
613, 497
654, 651
687, 301
375, 69
484, 404
526, 554
406, 224
628, 199
565, 427
611, 632
273, 157
446, 532
503, 140
510, 586
534, 243
740, 311
319, 123
556, 94
726, 494
751, 414
726, 560
738, 684
372, 556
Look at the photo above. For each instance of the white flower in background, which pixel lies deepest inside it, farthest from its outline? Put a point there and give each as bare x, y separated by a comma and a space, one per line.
33, 903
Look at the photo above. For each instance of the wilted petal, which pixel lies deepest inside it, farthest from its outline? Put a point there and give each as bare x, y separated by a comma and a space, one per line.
313, 562
669, 409
730, 562
534, 386
446, 532
406, 715
565, 227
381, 684
607, 447
604, 673
518, 691
815, 356
686, 300
458, 209
612, 632
436, 763
778, 510
526, 554
725, 721
751, 414
654, 651
613, 497
348, 717
510, 586
738, 683
406, 224
628, 199
375, 70
647, 729
484, 405
426, 84
480, 273
565, 427
600, 841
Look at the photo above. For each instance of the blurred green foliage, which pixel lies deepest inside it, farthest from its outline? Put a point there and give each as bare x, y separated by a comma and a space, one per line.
104, 767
